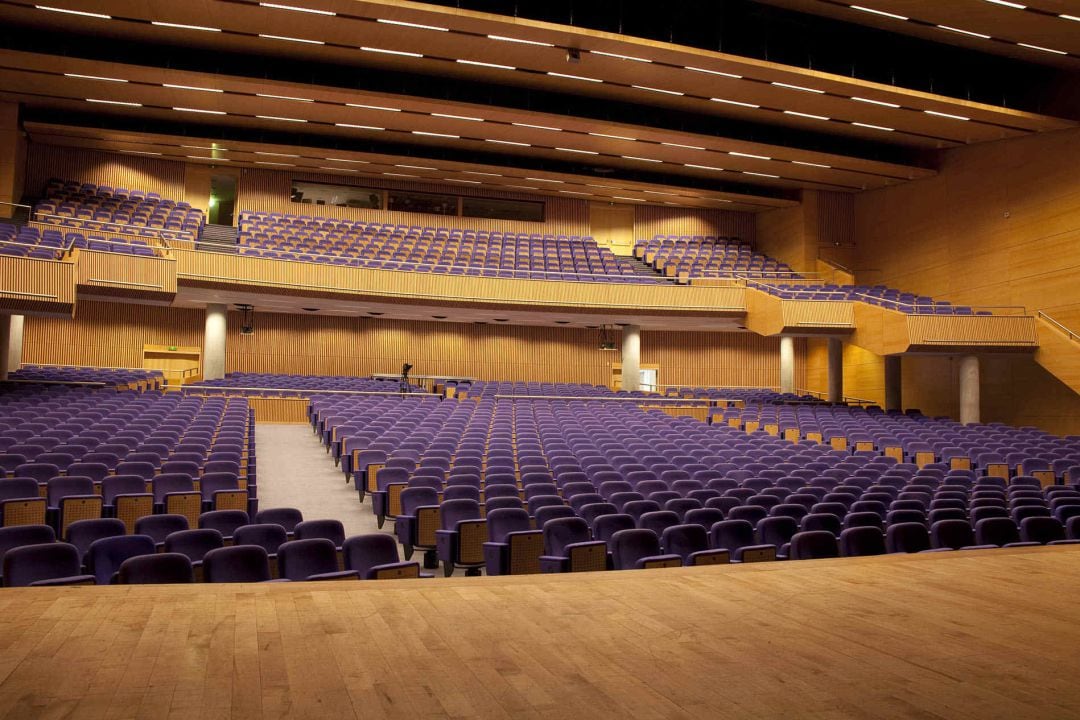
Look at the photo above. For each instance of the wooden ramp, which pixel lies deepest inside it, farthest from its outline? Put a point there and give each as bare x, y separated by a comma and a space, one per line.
979, 634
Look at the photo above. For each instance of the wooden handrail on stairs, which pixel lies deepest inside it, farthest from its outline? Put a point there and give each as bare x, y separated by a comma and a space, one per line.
1075, 337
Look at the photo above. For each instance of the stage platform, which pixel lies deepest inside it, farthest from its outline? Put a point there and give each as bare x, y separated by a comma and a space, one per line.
982, 634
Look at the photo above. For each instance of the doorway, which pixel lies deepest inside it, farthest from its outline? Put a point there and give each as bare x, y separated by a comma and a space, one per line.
649, 380
222, 199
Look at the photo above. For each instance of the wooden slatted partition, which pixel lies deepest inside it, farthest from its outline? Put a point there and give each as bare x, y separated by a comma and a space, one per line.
31, 285
108, 274
652, 220
102, 168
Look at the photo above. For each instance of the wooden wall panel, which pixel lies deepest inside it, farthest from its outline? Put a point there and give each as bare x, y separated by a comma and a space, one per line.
612, 226
103, 168
652, 220
782, 234
719, 359
269, 190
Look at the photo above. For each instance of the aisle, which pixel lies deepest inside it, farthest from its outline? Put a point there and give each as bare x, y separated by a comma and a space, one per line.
295, 471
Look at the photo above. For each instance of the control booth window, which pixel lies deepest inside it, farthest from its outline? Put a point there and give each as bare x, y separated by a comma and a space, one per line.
502, 209
416, 202
311, 193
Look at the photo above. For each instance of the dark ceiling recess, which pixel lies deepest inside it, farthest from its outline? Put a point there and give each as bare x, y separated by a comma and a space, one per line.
750, 29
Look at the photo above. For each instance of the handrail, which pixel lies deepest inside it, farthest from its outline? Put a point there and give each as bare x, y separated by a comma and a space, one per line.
85, 367
1071, 335
73, 229
725, 387
609, 398
60, 252
1022, 310
849, 399
309, 391
81, 383
158, 231
844, 296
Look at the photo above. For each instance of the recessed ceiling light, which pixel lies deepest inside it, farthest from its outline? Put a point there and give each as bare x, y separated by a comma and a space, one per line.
878, 12
274, 154
457, 117
749, 155
213, 159
456, 180
735, 102
198, 110
523, 187
964, 32
139, 152
435, 134
373, 107
537, 127
384, 51
610, 187
620, 57
358, 127
503, 38
642, 159
284, 97
310, 309
714, 72
1006, 3
810, 164
182, 26
657, 90
191, 87
704, 167
1070, 17
114, 102
574, 192
574, 150
337, 169
100, 16
478, 63
312, 11
805, 115
416, 167
621, 197
657, 192
874, 127
562, 322
544, 180
280, 119
759, 174
613, 137
800, 88
291, 39
680, 145
94, 77
477, 172
1043, 49
362, 162
945, 115
574, 77
418, 26
507, 142
875, 102
281, 164
394, 174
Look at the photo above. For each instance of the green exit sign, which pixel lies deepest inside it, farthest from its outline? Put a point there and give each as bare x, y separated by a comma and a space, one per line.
172, 347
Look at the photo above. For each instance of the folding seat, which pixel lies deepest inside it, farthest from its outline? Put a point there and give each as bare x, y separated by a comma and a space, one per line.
54, 563
951, 534
750, 513
997, 531
224, 521
71, 499
375, 557
194, 544
821, 521
681, 506
906, 516
737, 537
764, 500
286, 517
1042, 530
813, 545
105, 556
311, 559
568, 547
705, 517
13, 537
639, 549
40, 472
513, 548
987, 511
864, 519
792, 510
238, 563
20, 503
82, 533
462, 533
777, 531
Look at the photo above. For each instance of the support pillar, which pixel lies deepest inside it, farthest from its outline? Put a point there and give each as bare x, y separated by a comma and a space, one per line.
214, 342
631, 357
15, 343
836, 370
970, 403
894, 389
787, 364
5, 336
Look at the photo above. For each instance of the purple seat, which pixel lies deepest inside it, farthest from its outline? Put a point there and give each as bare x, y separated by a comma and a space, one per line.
375, 557
332, 530
268, 536
105, 556
691, 543
55, 563
737, 537
19, 535
224, 521
237, 563
813, 545
82, 533
156, 569
311, 559
568, 547
907, 538
639, 549
287, 518
513, 547
194, 544
462, 533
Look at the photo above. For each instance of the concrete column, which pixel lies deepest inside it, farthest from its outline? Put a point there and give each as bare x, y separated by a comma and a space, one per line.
836, 370
894, 389
5, 335
214, 343
631, 357
787, 364
15, 343
970, 404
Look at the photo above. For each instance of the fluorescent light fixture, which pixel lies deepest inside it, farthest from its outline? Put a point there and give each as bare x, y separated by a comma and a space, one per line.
415, 167
336, 169
574, 192
714, 72
94, 77
362, 162
418, 26
894, 16
139, 152
182, 26
560, 182
284, 97
198, 110
875, 102
574, 77
477, 172
435, 134
470, 182
497, 66
291, 39
1043, 49
704, 167
507, 142
537, 127
945, 115
610, 187
800, 88
358, 127
1070, 17
634, 157
503, 38
457, 117
400, 174
279, 164
191, 87
810, 164
759, 174
523, 187
805, 115
114, 102
201, 147
622, 197
100, 16
384, 51
620, 57
614, 137
749, 155
1006, 3
657, 90
735, 102
372, 107
573, 150
964, 32
874, 127
213, 159
271, 154
277, 6
281, 119
657, 192
685, 147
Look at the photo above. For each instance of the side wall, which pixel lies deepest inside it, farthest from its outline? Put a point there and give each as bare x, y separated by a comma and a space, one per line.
114, 334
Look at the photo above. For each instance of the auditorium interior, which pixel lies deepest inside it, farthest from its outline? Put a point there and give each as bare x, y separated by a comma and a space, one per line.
533, 359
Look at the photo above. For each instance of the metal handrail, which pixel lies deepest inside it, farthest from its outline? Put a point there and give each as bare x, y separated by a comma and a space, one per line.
309, 391
609, 398
86, 367
158, 231
1071, 335
60, 252
1022, 310
850, 399
71, 228
748, 280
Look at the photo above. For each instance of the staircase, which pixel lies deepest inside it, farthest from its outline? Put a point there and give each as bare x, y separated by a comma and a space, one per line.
640, 267
1059, 351
219, 235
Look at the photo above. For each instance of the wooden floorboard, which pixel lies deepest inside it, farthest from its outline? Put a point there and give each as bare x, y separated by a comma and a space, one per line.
985, 634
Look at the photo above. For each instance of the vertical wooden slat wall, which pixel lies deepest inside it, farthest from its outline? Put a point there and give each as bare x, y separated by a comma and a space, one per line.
651, 220
113, 334
102, 168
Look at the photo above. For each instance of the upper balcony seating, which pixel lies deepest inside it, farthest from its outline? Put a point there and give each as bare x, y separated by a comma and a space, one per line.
112, 377
51, 244
117, 210
436, 250
272, 384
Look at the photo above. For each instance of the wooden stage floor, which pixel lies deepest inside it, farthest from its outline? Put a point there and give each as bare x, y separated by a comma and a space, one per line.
985, 634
